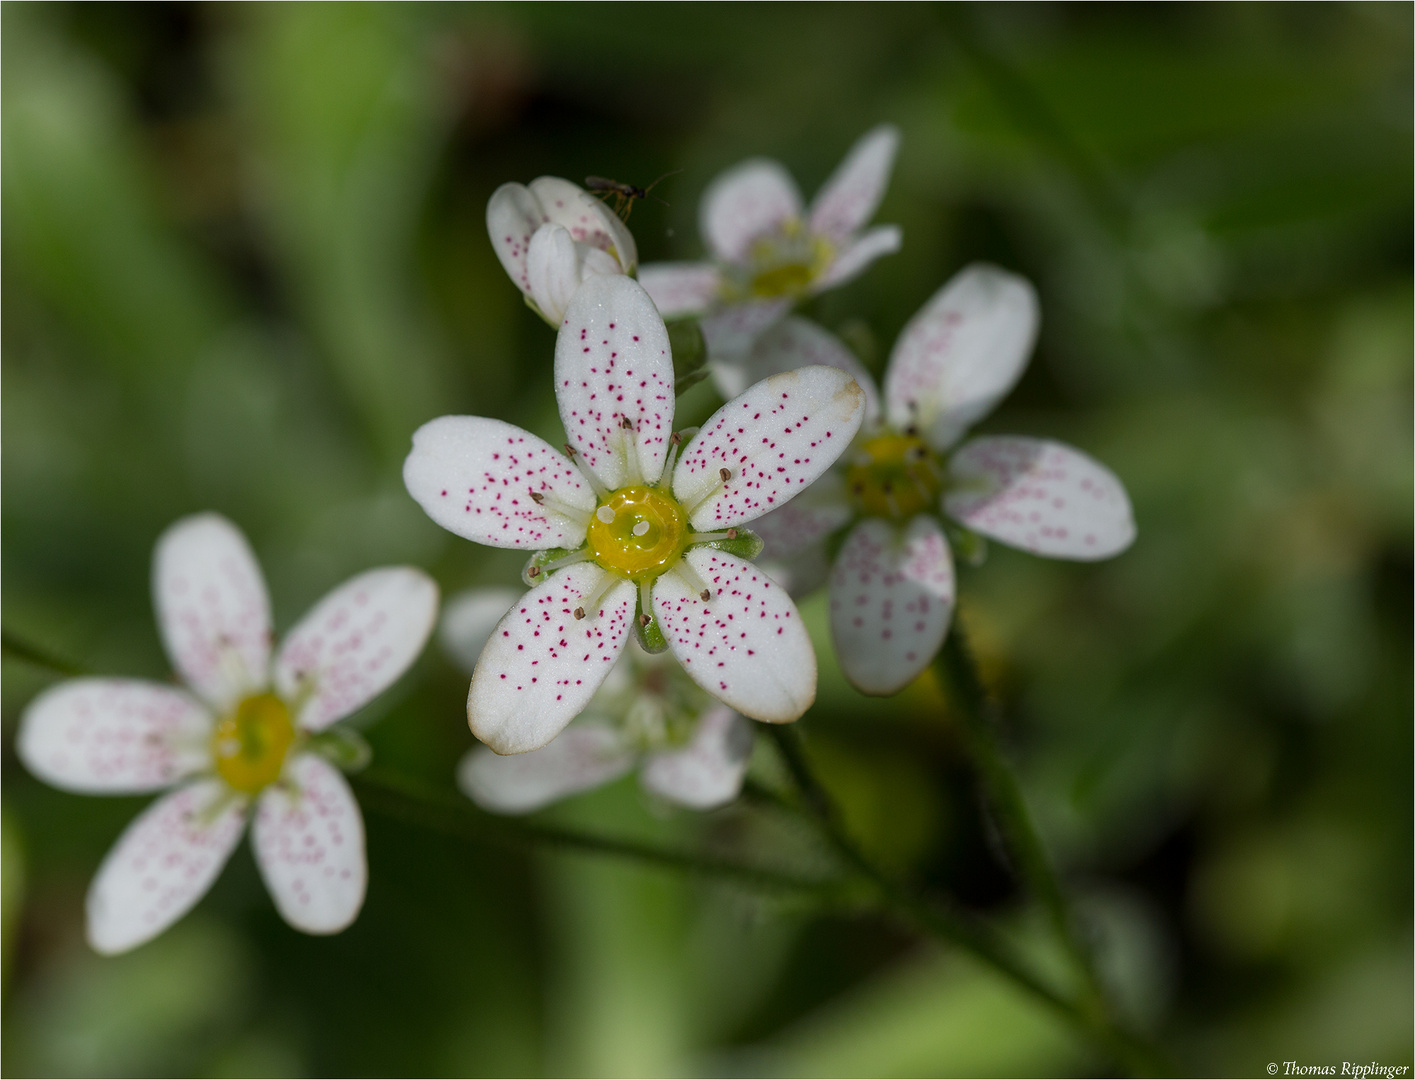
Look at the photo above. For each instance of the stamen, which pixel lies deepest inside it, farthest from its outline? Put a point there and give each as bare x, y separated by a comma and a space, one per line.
590, 603
675, 443
712, 537
697, 584
645, 619
583, 555
633, 475
645, 602
596, 485
723, 475
726, 474
556, 506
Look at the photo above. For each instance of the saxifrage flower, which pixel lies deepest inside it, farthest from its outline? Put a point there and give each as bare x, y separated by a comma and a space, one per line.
632, 527
892, 581
551, 236
243, 737
689, 749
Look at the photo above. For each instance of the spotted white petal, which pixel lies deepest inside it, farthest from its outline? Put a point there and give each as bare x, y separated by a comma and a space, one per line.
806, 520
212, 608
468, 618
679, 289
613, 363
163, 864
542, 664
708, 771
553, 269
579, 758
355, 643
513, 214
114, 736
1041, 496
857, 254
961, 354
587, 218
745, 644
729, 335
891, 600
475, 477
795, 342
748, 201
853, 192
771, 442
308, 838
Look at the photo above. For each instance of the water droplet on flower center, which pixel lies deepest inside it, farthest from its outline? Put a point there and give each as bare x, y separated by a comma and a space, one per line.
250, 743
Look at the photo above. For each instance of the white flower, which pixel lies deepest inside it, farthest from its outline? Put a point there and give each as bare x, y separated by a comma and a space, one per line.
768, 251
241, 738
551, 237
647, 714
892, 582
631, 526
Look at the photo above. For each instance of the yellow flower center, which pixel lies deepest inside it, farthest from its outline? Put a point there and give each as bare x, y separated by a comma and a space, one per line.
783, 264
638, 532
251, 743
896, 476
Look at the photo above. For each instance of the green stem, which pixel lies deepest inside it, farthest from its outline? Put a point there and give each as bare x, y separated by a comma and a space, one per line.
951, 926
978, 714
16, 647
423, 805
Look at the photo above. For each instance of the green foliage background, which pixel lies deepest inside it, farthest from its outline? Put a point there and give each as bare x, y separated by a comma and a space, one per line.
244, 256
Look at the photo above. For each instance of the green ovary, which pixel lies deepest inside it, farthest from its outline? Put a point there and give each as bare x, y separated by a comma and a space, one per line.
896, 476
250, 744
638, 532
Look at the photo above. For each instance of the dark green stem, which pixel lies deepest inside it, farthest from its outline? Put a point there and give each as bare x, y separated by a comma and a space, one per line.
17, 648
421, 804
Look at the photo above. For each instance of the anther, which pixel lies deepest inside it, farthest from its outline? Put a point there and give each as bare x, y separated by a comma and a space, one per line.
726, 474
569, 451
641, 528
537, 497
579, 613
645, 619
732, 534
705, 594
676, 439
534, 571
626, 423
605, 514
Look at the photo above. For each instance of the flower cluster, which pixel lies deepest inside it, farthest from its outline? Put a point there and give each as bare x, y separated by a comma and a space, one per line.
634, 530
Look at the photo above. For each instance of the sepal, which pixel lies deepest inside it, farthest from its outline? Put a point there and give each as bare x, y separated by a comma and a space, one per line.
537, 562
650, 636
342, 747
747, 546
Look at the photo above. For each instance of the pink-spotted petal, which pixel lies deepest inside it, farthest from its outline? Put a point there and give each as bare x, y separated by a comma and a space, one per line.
513, 214
581, 757
212, 608
542, 664
807, 519
679, 289
1041, 496
961, 354
772, 442
587, 218
745, 644
613, 363
468, 618
475, 476
891, 600
795, 342
163, 864
708, 772
355, 643
857, 254
113, 736
308, 838
853, 192
748, 201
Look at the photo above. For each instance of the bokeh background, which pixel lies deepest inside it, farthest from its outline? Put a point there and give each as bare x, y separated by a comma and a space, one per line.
244, 256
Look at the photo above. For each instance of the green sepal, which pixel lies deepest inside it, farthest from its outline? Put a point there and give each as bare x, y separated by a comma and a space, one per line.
748, 544
538, 560
685, 338
968, 547
650, 637
689, 380
342, 747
